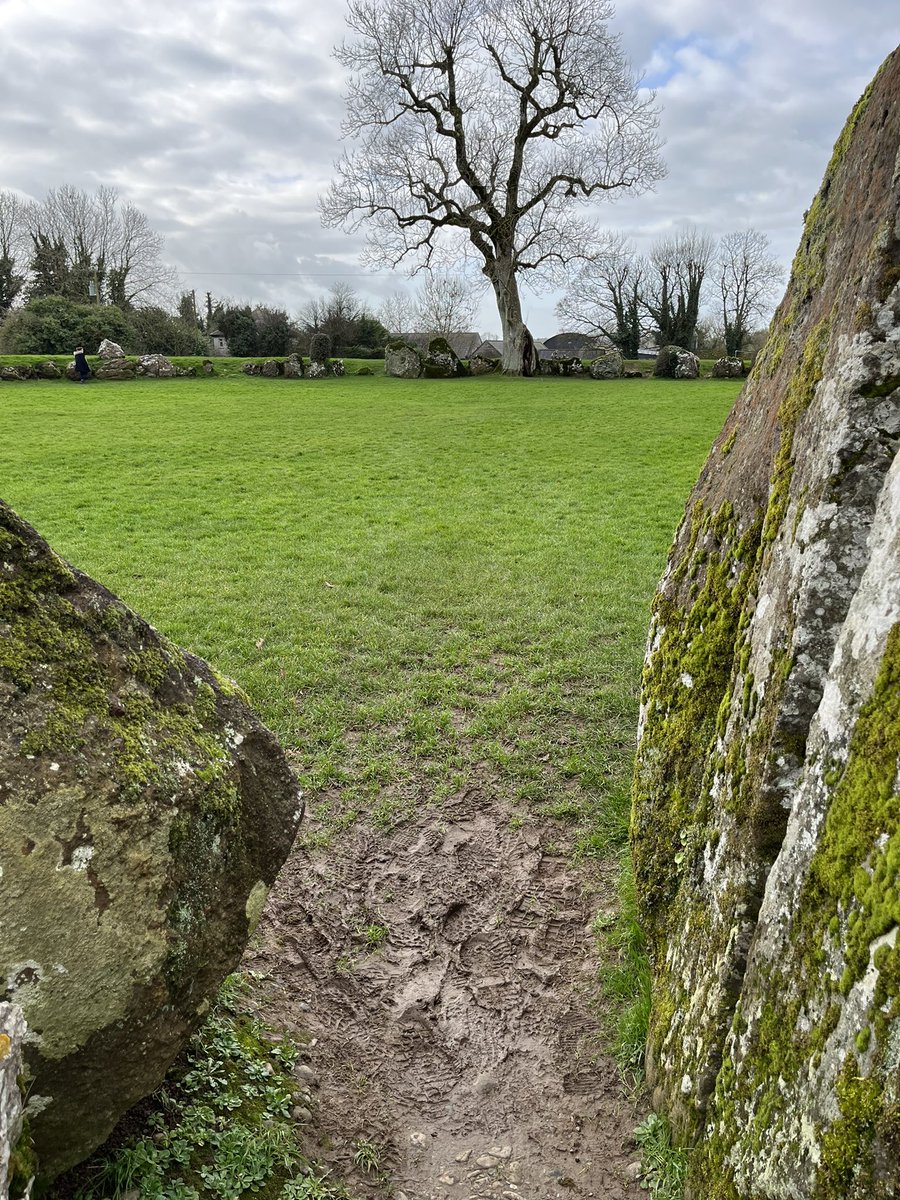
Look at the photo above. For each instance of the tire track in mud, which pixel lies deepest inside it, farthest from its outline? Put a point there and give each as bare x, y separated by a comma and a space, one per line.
462, 1041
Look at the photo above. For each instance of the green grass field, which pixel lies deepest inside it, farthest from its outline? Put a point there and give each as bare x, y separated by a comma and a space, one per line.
423, 586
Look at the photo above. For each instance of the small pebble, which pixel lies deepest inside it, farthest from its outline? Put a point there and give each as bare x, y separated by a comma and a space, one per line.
301, 1115
464, 1157
486, 1161
418, 1139
500, 1151
451, 1179
307, 1074
633, 1171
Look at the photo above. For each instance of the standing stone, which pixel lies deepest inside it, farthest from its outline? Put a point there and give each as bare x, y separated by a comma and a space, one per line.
607, 365
674, 362
270, 369
156, 365
442, 361
144, 812
108, 349
402, 360
766, 828
293, 367
49, 370
727, 368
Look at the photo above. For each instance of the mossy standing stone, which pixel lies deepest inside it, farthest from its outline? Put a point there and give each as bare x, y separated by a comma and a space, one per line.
766, 816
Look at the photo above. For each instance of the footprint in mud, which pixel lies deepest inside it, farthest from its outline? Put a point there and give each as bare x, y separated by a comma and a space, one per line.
464, 1045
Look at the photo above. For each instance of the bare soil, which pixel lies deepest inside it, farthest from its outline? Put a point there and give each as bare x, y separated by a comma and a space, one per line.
460, 1047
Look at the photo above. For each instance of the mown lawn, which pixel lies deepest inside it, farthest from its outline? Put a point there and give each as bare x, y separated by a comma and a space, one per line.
423, 586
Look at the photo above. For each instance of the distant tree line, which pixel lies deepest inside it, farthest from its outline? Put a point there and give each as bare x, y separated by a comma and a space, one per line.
81, 266
630, 299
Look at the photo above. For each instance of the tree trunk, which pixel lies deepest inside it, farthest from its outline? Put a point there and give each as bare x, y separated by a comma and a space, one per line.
519, 354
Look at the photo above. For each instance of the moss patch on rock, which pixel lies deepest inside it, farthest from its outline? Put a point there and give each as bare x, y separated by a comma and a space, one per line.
140, 805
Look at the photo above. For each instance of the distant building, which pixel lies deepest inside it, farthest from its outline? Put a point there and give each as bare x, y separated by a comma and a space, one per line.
493, 348
463, 345
582, 345
218, 346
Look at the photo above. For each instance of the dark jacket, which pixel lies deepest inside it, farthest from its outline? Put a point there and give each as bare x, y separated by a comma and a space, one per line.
81, 364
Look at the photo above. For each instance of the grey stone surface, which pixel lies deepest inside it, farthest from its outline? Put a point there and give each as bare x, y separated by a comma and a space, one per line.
109, 349
13, 1030
607, 365
116, 368
403, 361
156, 365
674, 362
727, 368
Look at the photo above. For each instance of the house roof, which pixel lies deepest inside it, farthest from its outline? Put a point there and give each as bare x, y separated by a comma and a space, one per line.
493, 348
576, 342
463, 344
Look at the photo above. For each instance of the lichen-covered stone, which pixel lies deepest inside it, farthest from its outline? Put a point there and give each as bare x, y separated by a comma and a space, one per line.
766, 819
560, 362
110, 349
143, 812
483, 366
14, 374
441, 361
48, 370
674, 362
727, 368
156, 365
16, 1155
293, 367
116, 368
402, 360
607, 365
271, 369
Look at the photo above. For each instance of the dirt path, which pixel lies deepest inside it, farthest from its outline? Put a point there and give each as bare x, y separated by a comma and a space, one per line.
460, 1043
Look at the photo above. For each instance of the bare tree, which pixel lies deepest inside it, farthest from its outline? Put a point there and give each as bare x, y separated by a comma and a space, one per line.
749, 278
12, 244
674, 276
490, 120
445, 304
604, 298
106, 243
335, 315
397, 313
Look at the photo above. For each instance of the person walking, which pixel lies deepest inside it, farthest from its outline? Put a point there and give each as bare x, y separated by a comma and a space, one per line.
81, 365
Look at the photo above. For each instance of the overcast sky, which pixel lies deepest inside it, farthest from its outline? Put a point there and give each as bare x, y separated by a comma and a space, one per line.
221, 120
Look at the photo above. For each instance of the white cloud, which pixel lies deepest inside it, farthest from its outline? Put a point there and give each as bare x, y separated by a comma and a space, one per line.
221, 119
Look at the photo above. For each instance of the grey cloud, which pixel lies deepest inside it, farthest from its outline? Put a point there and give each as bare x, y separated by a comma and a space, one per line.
221, 119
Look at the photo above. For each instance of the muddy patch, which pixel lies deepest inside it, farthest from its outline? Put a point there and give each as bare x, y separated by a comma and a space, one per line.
445, 974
